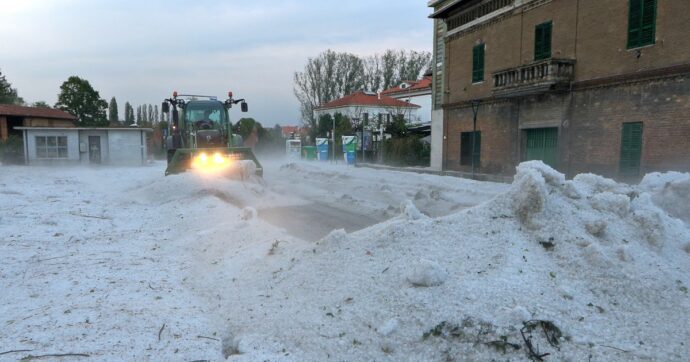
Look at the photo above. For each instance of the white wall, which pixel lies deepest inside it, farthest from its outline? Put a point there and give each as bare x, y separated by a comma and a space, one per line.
72, 146
436, 161
358, 111
118, 147
423, 114
126, 147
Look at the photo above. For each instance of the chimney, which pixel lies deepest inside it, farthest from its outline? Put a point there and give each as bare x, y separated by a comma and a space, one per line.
379, 95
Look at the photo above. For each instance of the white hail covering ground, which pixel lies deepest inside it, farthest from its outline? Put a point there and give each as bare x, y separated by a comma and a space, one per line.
124, 264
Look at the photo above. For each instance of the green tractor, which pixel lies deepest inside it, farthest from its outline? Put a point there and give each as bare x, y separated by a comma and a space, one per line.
200, 135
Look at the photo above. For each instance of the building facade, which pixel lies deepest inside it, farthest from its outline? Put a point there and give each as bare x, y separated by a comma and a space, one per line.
416, 92
12, 116
597, 86
369, 105
85, 146
438, 86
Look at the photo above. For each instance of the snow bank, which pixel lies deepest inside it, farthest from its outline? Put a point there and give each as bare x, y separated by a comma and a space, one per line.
181, 267
585, 269
671, 192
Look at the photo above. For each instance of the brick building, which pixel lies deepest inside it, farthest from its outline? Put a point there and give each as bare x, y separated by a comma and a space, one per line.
12, 116
597, 86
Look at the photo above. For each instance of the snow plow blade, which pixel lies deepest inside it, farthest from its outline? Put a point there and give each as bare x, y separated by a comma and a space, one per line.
211, 158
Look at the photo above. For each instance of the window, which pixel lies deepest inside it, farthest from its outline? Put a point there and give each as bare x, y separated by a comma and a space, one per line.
478, 63
466, 153
51, 147
641, 23
542, 41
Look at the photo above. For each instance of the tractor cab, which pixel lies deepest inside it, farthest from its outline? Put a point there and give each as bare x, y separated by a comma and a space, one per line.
207, 123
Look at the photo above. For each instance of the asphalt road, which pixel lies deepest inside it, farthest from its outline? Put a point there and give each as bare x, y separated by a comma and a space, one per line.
313, 221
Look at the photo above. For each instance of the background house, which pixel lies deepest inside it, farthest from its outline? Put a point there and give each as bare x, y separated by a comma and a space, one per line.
417, 92
597, 86
12, 116
72, 145
375, 106
290, 131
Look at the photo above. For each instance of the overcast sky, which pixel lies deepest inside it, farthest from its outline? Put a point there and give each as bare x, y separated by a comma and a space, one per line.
140, 51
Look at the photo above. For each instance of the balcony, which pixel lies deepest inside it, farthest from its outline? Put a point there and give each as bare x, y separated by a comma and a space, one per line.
536, 78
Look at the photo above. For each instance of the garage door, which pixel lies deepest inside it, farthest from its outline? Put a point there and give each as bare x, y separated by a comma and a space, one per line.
542, 144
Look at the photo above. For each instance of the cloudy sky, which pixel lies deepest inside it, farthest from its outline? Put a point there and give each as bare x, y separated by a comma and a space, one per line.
140, 51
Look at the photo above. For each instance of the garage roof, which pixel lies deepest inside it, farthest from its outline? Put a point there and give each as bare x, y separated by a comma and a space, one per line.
38, 112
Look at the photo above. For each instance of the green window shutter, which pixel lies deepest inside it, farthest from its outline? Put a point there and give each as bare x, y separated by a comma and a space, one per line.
648, 28
542, 41
631, 149
478, 63
542, 144
634, 16
641, 23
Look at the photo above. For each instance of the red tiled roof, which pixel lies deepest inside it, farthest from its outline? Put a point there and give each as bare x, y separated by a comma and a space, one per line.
367, 99
414, 85
290, 129
21, 111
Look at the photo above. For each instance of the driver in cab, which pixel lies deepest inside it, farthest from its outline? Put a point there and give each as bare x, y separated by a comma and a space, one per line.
205, 122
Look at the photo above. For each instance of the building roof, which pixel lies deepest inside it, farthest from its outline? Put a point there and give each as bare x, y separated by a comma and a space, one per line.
446, 8
289, 129
38, 112
367, 99
411, 86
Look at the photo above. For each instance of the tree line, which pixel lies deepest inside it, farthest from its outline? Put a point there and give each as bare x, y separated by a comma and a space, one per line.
332, 75
80, 99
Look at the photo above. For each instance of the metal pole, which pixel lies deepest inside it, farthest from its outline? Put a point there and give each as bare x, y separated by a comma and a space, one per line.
333, 139
364, 122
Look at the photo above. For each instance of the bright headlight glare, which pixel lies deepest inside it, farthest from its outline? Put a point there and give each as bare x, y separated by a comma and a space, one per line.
218, 158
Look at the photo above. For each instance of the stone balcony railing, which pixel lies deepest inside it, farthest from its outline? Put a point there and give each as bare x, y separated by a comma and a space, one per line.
539, 77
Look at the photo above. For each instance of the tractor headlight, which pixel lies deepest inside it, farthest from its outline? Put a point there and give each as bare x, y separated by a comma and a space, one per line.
218, 158
203, 158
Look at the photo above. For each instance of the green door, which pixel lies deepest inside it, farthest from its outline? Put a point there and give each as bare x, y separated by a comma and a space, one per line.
542, 144
631, 149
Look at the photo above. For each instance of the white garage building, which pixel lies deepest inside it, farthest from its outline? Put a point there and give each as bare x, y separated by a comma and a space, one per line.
77, 145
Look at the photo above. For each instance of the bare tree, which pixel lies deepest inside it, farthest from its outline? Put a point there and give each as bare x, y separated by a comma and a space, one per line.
327, 77
332, 75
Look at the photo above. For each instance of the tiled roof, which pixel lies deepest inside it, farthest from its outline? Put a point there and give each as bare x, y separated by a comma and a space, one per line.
414, 85
367, 99
21, 111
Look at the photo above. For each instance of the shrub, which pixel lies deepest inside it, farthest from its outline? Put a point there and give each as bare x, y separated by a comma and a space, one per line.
12, 150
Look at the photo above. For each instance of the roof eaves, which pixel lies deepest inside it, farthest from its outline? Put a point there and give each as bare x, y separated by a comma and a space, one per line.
445, 9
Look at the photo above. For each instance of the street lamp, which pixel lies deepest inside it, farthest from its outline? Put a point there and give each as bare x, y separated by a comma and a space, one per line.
475, 110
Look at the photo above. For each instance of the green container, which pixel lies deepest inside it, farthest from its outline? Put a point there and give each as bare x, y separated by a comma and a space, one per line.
309, 152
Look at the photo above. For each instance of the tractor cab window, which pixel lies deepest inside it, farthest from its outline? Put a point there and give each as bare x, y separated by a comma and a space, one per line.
205, 115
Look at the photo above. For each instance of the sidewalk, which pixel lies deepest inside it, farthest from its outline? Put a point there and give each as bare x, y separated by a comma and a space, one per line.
428, 170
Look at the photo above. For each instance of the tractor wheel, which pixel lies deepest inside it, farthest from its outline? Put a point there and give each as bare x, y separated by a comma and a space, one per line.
171, 153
